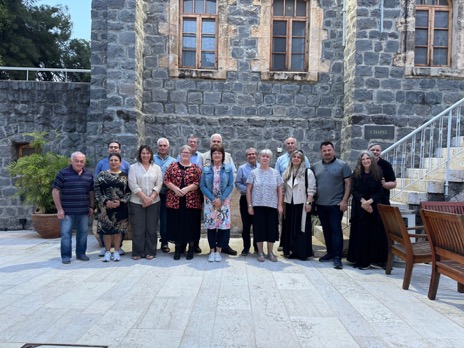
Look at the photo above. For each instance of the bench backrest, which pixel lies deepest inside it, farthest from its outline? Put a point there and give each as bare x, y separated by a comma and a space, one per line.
450, 207
394, 225
445, 233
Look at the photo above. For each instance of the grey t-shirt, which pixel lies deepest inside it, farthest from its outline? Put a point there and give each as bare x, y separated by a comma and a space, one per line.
330, 181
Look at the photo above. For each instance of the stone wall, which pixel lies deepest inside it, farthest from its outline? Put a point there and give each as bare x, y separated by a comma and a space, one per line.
57, 108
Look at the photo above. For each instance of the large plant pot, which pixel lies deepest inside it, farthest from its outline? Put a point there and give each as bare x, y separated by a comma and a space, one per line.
46, 225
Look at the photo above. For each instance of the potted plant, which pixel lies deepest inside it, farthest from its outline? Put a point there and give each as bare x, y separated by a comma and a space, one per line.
34, 175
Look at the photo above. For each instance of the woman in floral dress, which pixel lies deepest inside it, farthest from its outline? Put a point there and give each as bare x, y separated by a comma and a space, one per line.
217, 182
112, 194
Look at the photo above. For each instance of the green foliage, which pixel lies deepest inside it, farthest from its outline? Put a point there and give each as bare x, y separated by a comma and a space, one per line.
35, 174
39, 36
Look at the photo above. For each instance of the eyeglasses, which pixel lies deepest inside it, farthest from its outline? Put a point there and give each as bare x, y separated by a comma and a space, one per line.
251, 154
185, 153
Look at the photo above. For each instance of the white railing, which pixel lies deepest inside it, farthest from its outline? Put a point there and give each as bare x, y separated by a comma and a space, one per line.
55, 70
420, 153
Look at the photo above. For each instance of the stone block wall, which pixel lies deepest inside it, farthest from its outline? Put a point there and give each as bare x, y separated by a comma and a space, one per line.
26, 106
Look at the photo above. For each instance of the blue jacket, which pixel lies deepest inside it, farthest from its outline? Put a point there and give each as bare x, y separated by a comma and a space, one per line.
227, 181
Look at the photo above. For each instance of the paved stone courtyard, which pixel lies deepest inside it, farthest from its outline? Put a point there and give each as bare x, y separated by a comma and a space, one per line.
238, 302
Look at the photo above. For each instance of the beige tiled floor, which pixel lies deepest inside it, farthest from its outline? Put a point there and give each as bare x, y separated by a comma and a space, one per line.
238, 302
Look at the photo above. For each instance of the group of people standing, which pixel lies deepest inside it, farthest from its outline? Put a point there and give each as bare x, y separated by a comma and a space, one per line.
159, 190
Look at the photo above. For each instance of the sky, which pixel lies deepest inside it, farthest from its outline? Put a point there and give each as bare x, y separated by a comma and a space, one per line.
80, 15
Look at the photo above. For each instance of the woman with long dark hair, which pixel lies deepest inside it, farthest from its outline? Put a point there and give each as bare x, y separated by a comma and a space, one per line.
368, 242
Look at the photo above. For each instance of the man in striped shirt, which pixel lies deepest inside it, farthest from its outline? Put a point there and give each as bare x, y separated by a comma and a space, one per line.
74, 198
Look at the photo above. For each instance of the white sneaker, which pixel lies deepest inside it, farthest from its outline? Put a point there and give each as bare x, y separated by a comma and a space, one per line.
121, 252
212, 257
102, 252
107, 256
116, 256
218, 257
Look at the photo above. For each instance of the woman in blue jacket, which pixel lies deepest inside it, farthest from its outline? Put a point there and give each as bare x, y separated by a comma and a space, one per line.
217, 182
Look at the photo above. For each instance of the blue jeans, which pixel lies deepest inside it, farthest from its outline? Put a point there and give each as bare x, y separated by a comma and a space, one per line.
81, 222
331, 221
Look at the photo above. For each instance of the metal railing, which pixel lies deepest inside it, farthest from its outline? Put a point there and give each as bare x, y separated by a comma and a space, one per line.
427, 150
38, 70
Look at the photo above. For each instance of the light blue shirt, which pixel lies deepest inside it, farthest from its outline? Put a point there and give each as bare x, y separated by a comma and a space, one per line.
242, 175
196, 158
164, 163
283, 162
103, 165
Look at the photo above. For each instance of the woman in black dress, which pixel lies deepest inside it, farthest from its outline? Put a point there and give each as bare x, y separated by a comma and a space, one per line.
368, 242
112, 194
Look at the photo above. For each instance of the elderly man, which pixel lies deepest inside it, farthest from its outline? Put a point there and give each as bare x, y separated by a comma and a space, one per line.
217, 139
102, 165
240, 184
164, 160
389, 177
282, 162
74, 198
197, 156
333, 180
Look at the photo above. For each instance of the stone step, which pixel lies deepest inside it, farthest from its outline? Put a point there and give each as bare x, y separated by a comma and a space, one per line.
455, 163
455, 175
410, 197
430, 186
454, 151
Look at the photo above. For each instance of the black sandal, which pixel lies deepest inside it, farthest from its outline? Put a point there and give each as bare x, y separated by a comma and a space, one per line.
165, 249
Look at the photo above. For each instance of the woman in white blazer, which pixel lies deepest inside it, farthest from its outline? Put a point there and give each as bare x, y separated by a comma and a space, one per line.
299, 188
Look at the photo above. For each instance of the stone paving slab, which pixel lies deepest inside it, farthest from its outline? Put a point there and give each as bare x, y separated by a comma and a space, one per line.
238, 302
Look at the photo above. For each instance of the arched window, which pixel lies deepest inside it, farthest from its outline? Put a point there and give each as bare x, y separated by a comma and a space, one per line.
290, 42
433, 33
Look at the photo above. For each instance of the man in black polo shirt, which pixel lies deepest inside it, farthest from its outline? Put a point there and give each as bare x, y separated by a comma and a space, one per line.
74, 197
388, 178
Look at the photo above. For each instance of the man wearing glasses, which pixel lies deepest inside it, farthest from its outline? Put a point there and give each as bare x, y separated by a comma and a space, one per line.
241, 185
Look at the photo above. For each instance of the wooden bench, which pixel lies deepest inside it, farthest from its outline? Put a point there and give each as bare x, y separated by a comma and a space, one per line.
449, 207
400, 244
446, 237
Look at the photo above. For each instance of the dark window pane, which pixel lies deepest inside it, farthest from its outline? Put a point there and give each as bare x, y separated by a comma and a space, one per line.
421, 37
279, 45
189, 42
443, 2
298, 29
297, 62
188, 6
188, 58
190, 26
208, 26
289, 8
278, 62
211, 7
440, 56
208, 43
279, 28
199, 6
441, 19
278, 8
298, 45
440, 38
301, 8
422, 19
420, 56
207, 60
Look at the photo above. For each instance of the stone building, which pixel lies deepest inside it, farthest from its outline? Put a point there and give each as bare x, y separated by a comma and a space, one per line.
256, 71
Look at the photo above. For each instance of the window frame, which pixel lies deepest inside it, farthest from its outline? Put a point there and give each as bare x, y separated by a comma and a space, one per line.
431, 9
289, 36
199, 19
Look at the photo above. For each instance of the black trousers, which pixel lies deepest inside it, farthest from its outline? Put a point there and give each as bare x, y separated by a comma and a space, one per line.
247, 222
